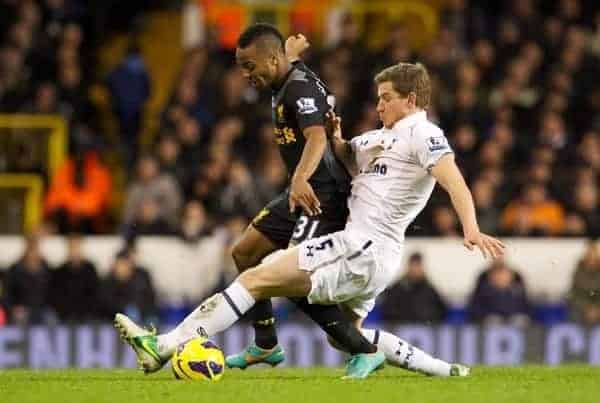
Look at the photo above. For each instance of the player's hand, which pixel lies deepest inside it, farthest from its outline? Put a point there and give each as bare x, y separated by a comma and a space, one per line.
488, 245
295, 45
333, 126
303, 195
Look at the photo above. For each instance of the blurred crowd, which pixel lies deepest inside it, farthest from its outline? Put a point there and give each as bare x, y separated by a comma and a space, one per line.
515, 94
514, 90
33, 292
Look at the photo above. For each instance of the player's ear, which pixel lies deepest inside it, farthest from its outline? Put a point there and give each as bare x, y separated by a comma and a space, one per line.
412, 99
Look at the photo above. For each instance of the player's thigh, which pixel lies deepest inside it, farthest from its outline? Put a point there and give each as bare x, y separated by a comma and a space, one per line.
251, 248
279, 277
276, 222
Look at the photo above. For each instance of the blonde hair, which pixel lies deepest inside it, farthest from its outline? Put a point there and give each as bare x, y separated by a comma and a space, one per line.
407, 78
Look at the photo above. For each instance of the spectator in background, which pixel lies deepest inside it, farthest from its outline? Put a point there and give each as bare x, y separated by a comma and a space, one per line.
445, 222
74, 286
194, 224
27, 283
584, 297
484, 196
190, 100
272, 176
148, 220
533, 213
168, 153
128, 288
239, 197
129, 86
464, 142
79, 195
189, 134
588, 150
152, 197
499, 297
45, 101
14, 76
585, 206
413, 299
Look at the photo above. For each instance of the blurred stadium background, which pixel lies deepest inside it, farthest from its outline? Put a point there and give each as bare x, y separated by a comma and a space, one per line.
133, 153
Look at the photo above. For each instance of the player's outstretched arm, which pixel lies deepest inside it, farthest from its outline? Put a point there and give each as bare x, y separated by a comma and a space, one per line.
449, 177
341, 148
294, 46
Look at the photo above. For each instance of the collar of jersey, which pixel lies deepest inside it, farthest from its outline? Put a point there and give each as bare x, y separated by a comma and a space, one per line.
410, 120
284, 79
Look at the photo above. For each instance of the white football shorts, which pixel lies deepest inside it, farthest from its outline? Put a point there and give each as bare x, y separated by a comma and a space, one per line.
348, 270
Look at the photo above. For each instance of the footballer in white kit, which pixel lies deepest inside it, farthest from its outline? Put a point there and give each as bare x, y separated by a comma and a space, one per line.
392, 186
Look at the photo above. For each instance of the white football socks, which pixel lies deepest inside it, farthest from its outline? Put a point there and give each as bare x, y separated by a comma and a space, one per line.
214, 315
401, 354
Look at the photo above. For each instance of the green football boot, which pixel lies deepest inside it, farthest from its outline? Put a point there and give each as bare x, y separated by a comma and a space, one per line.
361, 366
143, 342
459, 370
255, 355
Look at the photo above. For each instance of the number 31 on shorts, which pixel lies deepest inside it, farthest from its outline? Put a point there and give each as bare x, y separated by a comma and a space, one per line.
305, 228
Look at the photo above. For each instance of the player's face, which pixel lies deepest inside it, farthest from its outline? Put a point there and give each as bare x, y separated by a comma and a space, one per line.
258, 67
391, 106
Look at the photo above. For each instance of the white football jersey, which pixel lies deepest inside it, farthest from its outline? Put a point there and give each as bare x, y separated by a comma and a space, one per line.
394, 181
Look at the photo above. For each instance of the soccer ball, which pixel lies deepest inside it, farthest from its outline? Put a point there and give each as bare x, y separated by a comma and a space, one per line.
198, 359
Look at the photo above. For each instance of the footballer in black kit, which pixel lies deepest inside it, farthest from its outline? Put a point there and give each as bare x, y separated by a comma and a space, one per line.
315, 202
301, 101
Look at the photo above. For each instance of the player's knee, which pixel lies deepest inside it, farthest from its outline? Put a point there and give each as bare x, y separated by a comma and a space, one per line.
255, 282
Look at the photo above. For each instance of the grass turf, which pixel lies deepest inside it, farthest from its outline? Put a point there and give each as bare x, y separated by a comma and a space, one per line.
531, 384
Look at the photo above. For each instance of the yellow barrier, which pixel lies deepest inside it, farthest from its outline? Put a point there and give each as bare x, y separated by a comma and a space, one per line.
57, 140
33, 183
34, 187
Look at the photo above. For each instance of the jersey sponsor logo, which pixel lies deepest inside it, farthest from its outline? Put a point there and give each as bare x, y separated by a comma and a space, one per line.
306, 106
437, 143
279, 115
379, 169
284, 136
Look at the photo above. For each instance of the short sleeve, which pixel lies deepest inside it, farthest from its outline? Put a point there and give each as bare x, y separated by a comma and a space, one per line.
429, 145
355, 142
309, 101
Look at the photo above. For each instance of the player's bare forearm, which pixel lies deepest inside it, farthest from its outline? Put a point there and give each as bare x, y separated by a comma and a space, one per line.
343, 152
462, 201
316, 143
341, 148
449, 177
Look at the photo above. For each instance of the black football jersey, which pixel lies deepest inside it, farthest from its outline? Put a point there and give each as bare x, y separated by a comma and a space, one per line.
302, 101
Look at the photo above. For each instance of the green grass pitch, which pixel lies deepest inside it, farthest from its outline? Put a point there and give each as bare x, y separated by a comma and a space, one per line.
528, 384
